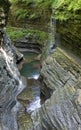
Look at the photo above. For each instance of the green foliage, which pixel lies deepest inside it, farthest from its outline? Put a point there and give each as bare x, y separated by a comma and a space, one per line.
62, 9
16, 33
31, 9
20, 13
66, 9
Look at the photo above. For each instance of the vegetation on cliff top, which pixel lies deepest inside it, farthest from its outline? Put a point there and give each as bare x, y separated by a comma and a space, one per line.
61, 9
67, 9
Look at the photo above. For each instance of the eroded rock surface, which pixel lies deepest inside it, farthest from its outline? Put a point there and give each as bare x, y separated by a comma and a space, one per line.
11, 85
9, 79
11, 49
62, 79
29, 43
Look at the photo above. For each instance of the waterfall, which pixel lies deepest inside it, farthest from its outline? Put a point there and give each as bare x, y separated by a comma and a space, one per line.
52, 34
50, 42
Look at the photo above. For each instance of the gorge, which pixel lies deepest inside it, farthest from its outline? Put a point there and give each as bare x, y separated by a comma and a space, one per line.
40, 86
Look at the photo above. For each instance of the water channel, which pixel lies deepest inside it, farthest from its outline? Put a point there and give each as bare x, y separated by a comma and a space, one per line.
30, 96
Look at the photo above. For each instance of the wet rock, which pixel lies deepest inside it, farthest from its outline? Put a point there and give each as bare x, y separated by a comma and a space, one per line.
29, 43
25, 121
61, 78
30, 98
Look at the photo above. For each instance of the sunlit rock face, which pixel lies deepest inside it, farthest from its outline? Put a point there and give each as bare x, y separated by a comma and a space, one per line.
11, 83
62, 79
9, 80
59, 70
9, 75
10, 49
5, 41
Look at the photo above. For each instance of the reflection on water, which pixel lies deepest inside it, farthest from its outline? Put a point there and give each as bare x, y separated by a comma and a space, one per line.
30, 68
29, 55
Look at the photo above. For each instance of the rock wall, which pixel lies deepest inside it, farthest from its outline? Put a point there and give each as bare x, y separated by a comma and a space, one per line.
10, 76
11, 83
10, 48
29, 43
61, 78
70, 35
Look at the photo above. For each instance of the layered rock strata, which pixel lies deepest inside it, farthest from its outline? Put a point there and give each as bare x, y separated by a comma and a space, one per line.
29, 44
62, 110
69, 35
11, 83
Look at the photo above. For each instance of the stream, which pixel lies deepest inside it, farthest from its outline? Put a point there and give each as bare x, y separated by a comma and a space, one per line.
30, 96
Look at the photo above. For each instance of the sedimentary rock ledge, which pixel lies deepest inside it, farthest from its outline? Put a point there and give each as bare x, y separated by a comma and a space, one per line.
61, 78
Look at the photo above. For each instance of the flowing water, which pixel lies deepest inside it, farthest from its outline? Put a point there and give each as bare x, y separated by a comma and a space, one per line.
30, 96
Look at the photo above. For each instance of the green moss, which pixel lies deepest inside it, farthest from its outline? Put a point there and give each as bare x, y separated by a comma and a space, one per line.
16, 33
